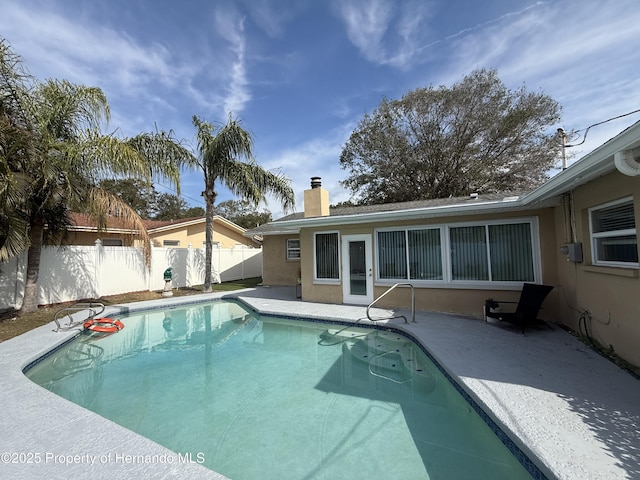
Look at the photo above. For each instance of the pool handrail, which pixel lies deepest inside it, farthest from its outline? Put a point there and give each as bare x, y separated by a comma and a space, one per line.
91, 308
413, 304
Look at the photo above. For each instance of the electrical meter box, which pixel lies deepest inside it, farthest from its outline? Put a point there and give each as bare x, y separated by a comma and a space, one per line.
573, 251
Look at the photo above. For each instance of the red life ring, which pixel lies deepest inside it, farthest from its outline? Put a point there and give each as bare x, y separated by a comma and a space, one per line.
104, 325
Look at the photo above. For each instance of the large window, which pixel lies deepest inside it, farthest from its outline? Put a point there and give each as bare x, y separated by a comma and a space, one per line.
327, 261
613, 234
414, 254
492, 252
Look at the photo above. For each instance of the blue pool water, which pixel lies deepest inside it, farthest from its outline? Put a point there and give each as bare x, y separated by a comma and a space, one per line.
259, 397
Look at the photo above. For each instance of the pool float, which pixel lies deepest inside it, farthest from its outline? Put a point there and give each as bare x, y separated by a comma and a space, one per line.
104, 325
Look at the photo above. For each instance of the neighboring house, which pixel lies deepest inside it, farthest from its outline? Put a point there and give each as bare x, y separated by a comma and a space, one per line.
169, 233
576, 232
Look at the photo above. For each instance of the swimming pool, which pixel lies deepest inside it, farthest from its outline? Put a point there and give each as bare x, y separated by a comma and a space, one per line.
254, 396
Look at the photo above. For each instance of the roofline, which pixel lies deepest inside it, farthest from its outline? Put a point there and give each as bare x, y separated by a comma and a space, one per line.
595, 164
507, 203
126, 231
216, 218
283, 231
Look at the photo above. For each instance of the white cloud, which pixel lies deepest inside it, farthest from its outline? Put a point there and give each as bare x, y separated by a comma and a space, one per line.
571, 51
315, 157
384, 31
231, 27
270, 16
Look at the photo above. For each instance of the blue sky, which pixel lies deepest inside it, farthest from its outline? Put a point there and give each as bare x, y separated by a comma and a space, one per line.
300, 74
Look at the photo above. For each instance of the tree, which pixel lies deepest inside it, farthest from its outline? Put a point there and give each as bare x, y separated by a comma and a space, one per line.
477, 136
58, 155
243, 213
193, 212
138, 194
147, 202
169, 207
225, 155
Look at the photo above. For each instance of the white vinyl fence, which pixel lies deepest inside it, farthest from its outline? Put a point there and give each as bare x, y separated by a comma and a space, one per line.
81, 272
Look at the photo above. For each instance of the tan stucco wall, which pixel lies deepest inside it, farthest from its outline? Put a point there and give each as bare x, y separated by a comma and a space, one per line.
276, 269
89, 238
464, 301
610, 295
195, 235
186, 235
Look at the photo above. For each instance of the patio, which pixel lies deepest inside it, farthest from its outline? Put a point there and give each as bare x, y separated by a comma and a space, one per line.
572, 409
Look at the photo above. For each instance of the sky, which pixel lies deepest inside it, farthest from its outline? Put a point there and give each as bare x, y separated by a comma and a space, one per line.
300, 74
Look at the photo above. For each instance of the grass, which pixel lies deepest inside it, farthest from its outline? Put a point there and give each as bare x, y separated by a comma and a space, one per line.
12, 325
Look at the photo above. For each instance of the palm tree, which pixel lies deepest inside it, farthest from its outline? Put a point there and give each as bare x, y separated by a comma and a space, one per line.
58, 156
220, 157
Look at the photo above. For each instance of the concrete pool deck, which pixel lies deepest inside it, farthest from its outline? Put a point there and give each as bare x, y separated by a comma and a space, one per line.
576, 412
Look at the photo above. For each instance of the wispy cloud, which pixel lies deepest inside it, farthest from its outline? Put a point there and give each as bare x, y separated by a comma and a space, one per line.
85, 53
384, 31
230, 26
572, 54
315, 157
271, 16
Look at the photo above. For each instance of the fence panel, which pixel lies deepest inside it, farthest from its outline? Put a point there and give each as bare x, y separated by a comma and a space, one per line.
80, 272
67, 274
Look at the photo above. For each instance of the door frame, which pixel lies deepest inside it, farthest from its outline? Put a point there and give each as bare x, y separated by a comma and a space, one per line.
347, 297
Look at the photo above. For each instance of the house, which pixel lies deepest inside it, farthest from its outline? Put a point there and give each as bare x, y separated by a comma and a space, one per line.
576, 232
169, 233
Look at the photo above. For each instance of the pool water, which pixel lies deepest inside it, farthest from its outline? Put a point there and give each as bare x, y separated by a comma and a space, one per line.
258, 397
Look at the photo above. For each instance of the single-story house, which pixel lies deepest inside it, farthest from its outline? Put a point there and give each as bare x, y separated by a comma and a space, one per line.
164, 233
576, 232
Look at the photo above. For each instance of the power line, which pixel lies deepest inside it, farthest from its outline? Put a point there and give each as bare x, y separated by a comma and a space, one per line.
586, 131
197, 200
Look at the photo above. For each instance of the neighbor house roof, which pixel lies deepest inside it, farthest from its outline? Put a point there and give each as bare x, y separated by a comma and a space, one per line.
596, 164
82, 222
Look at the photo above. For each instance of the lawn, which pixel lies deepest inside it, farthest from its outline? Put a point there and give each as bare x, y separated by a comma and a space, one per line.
12, 325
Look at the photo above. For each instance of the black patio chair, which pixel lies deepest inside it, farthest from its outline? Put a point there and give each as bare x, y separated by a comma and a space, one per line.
527, 308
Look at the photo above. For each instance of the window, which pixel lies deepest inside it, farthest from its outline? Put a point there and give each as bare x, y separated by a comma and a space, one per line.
111, 242
613, 234
392, 254
326, 256
424, 261
491, 252
293, 249
425, 254
171, 243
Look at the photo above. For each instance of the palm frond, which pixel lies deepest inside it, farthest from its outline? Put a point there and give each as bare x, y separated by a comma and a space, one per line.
103, 205
65, 109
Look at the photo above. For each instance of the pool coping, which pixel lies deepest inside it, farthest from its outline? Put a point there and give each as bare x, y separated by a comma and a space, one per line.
561, 403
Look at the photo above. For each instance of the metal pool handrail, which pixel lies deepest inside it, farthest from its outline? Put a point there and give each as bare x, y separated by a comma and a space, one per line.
77, 307
413, 304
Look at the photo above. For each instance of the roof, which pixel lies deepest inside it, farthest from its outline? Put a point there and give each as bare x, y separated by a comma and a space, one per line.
472, 204
590, 167
83, 222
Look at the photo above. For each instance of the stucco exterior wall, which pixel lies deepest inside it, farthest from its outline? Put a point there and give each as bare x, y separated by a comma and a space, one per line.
195, 235
185, 235
444, 299
605, 297
276, 269
89, 238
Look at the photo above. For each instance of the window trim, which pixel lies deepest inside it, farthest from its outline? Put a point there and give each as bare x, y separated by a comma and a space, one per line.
445, 239
444, 261
327, 281
593, 236
290, 249
112, 242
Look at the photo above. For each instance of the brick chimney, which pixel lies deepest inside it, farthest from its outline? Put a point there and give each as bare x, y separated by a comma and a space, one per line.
316, 200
